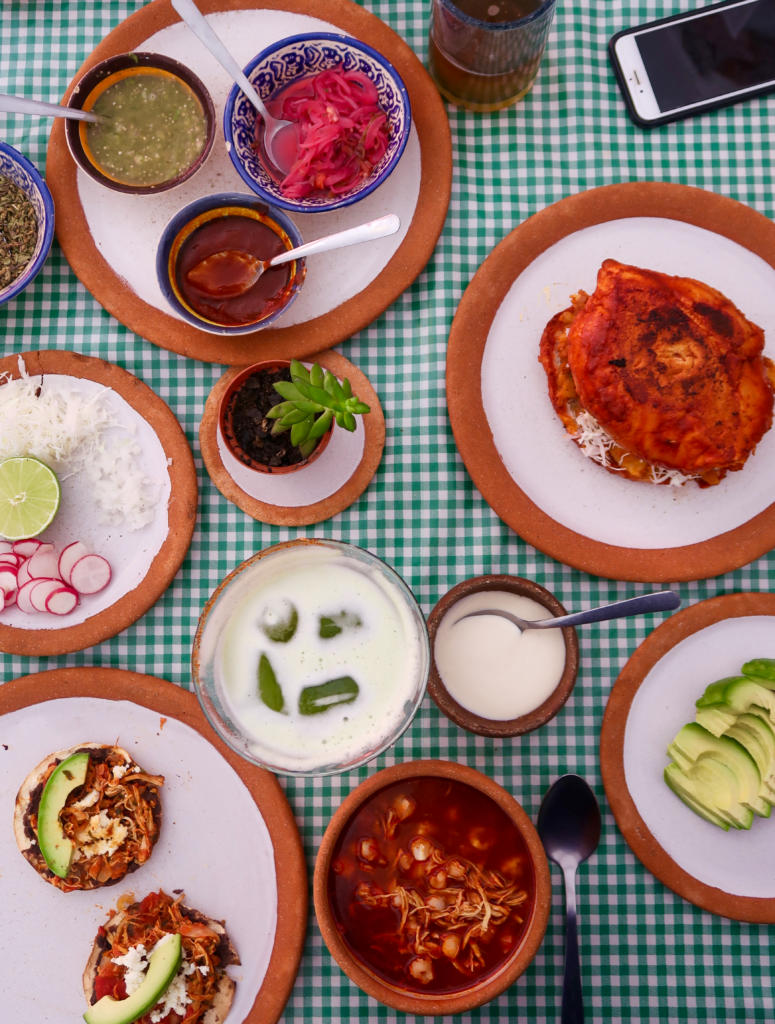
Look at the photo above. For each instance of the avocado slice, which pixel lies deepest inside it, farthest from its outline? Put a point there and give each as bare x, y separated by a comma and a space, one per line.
163, 965
726, 792
755, 733
56, 848
762, 670
695, 794
694, 746
722, 702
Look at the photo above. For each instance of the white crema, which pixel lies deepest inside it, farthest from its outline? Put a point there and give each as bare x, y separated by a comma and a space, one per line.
488, 666
379, 647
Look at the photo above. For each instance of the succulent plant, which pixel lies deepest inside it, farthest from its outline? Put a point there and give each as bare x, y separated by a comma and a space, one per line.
313, 400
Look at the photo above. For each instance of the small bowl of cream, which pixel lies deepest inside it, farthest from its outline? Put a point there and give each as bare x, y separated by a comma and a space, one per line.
486, 675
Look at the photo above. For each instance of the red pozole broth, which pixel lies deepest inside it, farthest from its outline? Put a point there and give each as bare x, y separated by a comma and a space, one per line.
431, 885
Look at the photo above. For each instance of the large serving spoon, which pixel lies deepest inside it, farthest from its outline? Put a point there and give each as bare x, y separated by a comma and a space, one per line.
196, 21
569, 827
19, 105
231, 272
660, 601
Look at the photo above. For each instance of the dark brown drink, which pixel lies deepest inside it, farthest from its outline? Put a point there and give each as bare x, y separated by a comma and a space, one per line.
485, 54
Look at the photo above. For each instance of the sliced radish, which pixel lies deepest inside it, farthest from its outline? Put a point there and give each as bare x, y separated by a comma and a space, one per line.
90, 574
42, 591
71, 554
9, 558
23, 574
23, 597
62, 601
6, 545
8, 582
26, 548
10, 599
44, 565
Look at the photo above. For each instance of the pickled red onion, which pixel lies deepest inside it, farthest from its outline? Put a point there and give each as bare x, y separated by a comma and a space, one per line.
341, 132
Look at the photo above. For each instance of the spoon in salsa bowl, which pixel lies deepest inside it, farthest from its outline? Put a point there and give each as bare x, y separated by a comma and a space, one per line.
232, 272
659, 601
20, 105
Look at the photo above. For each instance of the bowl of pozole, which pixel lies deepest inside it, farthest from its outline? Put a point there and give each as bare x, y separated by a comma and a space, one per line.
158, 123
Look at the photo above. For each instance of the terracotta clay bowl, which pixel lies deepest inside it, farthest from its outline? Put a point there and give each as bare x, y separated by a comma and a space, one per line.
110, 71
553, 703
491, 985
227, 429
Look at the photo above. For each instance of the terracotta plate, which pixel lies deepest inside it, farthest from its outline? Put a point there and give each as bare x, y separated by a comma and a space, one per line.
174, 705
181, 511
691, 209
300, 515
430, 121
736, 628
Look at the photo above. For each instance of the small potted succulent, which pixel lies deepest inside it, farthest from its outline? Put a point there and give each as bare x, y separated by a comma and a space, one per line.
278, 416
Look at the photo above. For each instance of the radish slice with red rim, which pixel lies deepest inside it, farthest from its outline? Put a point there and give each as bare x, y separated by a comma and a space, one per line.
23, 573
23, 597
90, 574
62, 601
10, 562
27, 548
10, 599
5, 546
44, 565
71, 554
42, 591
8, 582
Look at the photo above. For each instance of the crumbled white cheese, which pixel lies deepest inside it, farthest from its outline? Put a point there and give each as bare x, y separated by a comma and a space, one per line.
49, 419
119, 771
203, 970
135, 960
176, 998
595, 442
89, 800
102, 836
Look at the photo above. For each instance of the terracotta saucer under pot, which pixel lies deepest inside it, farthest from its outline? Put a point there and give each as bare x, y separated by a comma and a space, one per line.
227, 431
553, 703
490, 986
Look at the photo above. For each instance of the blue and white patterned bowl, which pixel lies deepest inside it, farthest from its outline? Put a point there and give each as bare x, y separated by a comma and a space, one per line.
27, 177
299, 57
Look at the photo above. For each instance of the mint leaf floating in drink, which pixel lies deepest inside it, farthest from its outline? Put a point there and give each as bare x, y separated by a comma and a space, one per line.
316, 699
268, 688
333, 625
279, 624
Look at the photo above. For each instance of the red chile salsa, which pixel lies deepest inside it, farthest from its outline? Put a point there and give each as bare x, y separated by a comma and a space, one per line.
431, 885
240, 234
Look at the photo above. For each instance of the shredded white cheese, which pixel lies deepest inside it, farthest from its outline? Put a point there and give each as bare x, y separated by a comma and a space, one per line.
176, 997
50, 420
135, 960
101, 837
119, 771
595, 442
86, 801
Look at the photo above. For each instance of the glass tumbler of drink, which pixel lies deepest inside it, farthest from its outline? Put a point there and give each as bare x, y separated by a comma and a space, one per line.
484, 54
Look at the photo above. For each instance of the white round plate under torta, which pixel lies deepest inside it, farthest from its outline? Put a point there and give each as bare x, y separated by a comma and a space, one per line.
532, 442
126, 229
214, 845
737, 862
129, 552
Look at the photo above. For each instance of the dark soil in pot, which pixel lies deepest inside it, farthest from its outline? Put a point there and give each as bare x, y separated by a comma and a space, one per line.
252, 430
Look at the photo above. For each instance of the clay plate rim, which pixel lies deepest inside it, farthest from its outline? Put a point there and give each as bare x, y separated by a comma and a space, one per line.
631, 824
301, 515
181, 512
173, 701
556, 700
429, 117
457, 1002
468, 338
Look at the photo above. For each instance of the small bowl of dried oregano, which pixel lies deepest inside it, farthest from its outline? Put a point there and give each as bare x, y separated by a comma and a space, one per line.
26, 222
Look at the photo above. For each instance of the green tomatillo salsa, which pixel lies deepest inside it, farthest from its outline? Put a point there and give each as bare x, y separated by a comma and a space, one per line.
157, 129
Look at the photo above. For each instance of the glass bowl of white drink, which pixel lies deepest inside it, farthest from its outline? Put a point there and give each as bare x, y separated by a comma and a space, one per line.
311, 658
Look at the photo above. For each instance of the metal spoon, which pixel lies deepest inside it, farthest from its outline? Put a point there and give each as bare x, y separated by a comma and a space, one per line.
569, 827
659, 601
195, 20
231, 272
19, 105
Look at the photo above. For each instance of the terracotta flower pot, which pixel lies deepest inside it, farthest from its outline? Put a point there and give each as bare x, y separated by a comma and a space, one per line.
481, 990
553, 703
227, 431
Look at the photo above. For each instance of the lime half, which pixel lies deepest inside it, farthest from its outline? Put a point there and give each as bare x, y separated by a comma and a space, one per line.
29, 498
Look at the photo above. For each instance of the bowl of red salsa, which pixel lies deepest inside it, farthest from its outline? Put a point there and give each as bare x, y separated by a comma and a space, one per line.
350, 115
432, 889
198, 287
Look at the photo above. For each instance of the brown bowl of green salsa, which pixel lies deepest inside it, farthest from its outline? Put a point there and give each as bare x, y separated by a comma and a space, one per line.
159, 123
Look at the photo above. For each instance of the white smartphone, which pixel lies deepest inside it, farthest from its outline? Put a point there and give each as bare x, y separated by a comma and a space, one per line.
690, 63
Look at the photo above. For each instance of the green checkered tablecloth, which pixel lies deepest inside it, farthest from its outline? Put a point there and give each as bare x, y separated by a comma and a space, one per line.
646, 954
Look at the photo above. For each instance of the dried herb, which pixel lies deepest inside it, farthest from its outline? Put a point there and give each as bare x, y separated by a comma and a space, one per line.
18, 232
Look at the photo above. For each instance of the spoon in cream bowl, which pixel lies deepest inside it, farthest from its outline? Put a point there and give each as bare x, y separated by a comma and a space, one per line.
659, 601
232, 272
